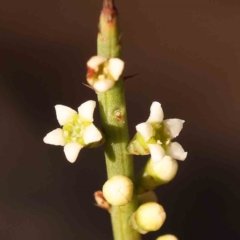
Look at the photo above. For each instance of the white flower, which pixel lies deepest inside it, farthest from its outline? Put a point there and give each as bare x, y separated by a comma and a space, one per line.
103, 73
157, 135
77, 131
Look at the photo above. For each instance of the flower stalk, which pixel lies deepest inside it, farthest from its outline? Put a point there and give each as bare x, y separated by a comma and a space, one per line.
114, 122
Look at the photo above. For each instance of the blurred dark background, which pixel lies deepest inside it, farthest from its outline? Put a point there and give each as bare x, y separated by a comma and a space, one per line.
187, 54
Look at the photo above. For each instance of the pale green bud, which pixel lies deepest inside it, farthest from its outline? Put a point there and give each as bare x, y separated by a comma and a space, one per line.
148, 217
155, 174
167, 237
118, 190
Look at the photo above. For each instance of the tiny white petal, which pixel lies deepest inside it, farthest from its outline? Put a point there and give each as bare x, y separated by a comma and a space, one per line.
116, 66
146, 130
176, 151
174, 126
157, 152
86, 110
64, 114
55, 137
91, 134
156, 113
103, 85
95, 61
72, 150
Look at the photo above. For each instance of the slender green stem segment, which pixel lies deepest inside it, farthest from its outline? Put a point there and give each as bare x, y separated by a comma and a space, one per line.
114, 121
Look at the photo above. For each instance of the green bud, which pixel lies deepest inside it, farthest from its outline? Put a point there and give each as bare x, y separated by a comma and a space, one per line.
118, 190
148, 217
156, 174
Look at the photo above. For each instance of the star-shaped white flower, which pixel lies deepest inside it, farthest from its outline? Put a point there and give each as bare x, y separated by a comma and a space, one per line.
157, 135
77, 129
103, 72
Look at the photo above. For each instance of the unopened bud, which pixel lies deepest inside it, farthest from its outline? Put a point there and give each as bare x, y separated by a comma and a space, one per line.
166, 169
167, 237
118, 190
148, 217
155, 174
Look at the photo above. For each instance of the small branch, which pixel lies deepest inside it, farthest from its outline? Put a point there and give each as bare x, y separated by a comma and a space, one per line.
112, 105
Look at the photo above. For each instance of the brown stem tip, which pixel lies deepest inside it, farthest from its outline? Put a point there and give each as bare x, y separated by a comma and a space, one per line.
109, 10
108, 4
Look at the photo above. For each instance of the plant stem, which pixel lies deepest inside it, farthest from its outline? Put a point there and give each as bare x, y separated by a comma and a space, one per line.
114, 121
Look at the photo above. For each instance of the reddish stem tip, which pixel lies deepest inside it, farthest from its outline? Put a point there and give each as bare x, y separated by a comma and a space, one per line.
109, 10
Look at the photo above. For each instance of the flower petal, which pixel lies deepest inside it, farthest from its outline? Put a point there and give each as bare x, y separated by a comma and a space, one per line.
146, 130
64, 114
103, 85
156, 113
95, 61
86, 110
174, 126
72, 150
91, 134
176, 151
55, 137
157, 152
116, 66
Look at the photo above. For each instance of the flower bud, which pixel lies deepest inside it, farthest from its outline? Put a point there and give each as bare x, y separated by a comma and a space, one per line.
148, 217
118, 190
165, 170
167, 237
155, 174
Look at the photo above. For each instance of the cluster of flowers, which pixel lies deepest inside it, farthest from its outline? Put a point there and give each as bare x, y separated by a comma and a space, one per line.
78, 130
154, 137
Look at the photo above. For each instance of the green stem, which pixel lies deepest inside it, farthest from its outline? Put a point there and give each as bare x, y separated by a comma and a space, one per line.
114, 121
